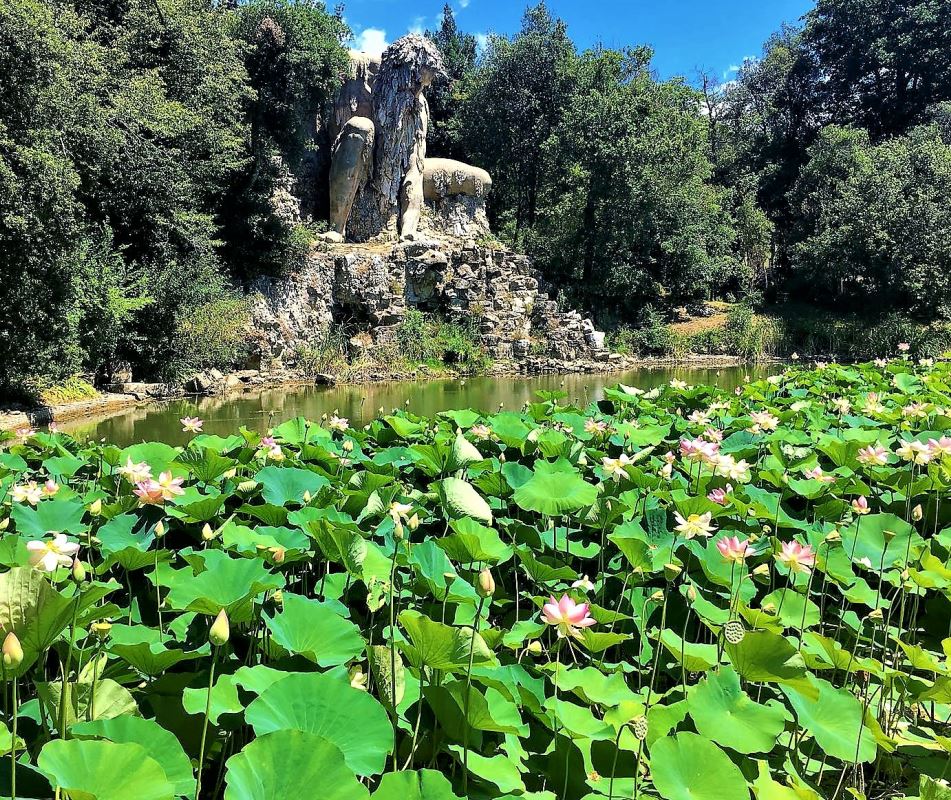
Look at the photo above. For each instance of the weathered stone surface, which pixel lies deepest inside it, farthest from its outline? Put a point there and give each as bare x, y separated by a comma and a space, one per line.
368, 290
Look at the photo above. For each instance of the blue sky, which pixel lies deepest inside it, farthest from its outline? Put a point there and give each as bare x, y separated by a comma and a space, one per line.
685, 34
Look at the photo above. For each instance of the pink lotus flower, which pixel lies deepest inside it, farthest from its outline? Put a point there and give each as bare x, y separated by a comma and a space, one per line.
764, 421
817, 474
595, 426
873, 456
584, 582
698, 450
268, 441
50, 488
24, 433
28, 492
903, 347
135, 473
719, 496
191, 424
860, 505
732, 549
940, 447
152, 492
567, 615
171, 487
797, 557
48, 555
713, 435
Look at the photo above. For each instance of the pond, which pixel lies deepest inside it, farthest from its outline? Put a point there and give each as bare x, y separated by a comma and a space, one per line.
359, 403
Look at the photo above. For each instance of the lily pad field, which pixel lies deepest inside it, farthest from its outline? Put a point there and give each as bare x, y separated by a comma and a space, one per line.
685, 593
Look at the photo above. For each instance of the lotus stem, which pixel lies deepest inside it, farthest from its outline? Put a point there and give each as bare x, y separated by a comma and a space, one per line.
465, 713
204, 726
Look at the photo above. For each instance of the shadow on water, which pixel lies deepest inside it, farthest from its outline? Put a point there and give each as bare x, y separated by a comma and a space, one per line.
262, 409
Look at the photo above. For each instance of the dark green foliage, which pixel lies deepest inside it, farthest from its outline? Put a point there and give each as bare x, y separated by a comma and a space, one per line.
459, 59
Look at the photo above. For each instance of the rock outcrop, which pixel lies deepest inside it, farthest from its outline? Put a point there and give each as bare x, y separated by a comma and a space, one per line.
368, 289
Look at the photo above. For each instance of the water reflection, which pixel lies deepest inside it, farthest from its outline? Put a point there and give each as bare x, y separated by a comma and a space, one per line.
262, 409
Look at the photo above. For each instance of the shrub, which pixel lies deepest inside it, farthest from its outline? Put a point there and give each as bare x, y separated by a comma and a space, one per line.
212, 335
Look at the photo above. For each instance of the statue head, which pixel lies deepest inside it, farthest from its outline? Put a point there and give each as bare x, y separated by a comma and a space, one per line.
415, 60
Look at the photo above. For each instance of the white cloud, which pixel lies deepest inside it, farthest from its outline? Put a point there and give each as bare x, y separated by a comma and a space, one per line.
464, 3
482, 42
418, 26
371, 40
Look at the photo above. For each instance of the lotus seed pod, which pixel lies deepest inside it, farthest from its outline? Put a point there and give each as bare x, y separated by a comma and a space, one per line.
248, 486
733, 631
12, 651
833, 536
78, 571
96, 508
100, 629
875, 615
207, 533
220, 630
917, 513
534, 647
672, 571
658, 596
888, 535
486, 583
762, 570
639, 726
159, 529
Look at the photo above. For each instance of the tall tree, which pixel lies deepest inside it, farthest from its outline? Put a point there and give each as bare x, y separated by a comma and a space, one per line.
459, 57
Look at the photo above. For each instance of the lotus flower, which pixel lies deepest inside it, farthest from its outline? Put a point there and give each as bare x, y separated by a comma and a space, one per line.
797, 557
48, 555
817, 474
615, 467
338, 423
699, 450
764, 421
699, 417
903, 347
149, 493
940, 447
694, 525
872, 456
567, 615
28, 492
914, 451
595, 426
50, 488
481, 432
191, 424
583, 583
136, 473
732, 549
719, 496
860, 506
841, 405
735, 470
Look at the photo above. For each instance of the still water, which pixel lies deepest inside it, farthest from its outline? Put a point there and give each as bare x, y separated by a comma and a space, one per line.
263, 409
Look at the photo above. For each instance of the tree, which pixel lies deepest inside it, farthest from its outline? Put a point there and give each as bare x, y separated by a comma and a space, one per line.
873, 222
883, 62
510, 106
459, 57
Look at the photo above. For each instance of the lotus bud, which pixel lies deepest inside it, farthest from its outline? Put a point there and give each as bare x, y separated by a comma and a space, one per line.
658, 596
4, 524
413, 522
398, 532
917, 513
207, 533
12, 651
406, 403
501, 458
348, 446
278, 554
323, 417
875, 614
159, 529
95, 509
78, 571
692, 593
229, 474
534, 647
100, 629
486, 583
672, 571
278, 597
307, 497
220, 630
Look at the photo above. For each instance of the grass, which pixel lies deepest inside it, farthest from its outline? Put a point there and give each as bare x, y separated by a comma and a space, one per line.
69, 391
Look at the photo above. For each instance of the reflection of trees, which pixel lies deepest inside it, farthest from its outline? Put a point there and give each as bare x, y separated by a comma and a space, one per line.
257, 410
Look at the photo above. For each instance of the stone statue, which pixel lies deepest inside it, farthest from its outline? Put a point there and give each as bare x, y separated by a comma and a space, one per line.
379, 175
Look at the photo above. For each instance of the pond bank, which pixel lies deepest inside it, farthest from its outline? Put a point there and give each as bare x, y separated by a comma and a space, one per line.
120, 397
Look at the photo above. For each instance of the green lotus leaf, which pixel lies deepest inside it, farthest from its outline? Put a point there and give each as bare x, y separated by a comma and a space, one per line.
555, 488
460, 499
99, 770
107, 700
283, 485
834, 717
724, 713
463, 453
423, 784
224, 698
765, 656
146, 650
439, 646
49, 516
224, 582
287, 764
500, 772
157, 455
162, 745
328, 706
316, 631
689, 767
389, 674
866, 538
472, 543
204, 463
